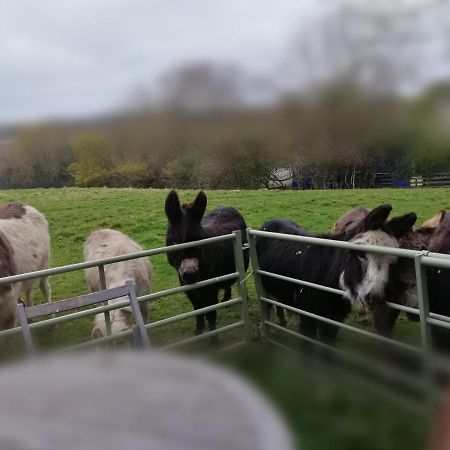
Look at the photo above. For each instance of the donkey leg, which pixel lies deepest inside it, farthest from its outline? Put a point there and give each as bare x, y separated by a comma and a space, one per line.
281, 314
45, 289
200, 319
200, 324
384, 318
28, 293
8, 343
328, 333
211, 317
226, 294
308, 327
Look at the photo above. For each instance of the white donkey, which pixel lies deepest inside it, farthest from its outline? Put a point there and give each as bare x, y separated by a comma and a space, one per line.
24, 247
106, 244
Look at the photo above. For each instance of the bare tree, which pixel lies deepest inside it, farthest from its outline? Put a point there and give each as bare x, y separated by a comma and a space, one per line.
381, 45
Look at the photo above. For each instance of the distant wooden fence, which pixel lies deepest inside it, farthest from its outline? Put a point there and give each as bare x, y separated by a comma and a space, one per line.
384, 180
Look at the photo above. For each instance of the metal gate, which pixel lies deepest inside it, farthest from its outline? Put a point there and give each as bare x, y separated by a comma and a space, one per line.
239, 275
422, 260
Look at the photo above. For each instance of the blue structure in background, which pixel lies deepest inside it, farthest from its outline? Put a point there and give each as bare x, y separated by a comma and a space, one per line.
402, 182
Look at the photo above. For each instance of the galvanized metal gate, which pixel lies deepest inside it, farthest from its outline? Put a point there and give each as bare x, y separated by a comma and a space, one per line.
422, 261
239, 275
431, 363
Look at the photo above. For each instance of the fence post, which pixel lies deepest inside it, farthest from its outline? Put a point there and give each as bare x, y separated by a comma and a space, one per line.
242, 282
258, 285
425, 332
101, 273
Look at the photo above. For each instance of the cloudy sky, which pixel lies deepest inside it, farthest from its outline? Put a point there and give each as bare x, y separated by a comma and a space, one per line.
84, 57
78, 57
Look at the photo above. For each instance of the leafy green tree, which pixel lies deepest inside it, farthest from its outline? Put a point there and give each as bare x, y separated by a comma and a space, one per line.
91, 158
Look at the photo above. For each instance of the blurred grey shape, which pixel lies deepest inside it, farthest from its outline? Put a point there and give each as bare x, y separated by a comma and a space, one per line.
133, 400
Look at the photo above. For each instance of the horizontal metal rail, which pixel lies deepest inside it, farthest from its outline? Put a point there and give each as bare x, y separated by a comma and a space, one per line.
404, 308
400, 252
439, 263
344, 326
439, 317
440, 320
194, 313
439, 323
103, 262
300, 282
230, 347
188, 287
153, 325
98, 341
66, 318
208, 334
436, 255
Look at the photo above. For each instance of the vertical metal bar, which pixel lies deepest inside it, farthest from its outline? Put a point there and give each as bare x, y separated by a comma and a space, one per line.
26, 333
101, 273
258, 285
144, 339
424, 310
136, 336
242, 283
424, 307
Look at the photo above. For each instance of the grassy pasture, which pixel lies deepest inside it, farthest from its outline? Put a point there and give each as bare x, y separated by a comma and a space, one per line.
73, 213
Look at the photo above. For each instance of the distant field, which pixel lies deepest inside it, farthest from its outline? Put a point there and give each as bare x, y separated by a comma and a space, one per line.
73, 213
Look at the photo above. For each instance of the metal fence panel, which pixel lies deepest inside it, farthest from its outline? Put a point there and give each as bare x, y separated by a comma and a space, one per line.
422, 260
239, 275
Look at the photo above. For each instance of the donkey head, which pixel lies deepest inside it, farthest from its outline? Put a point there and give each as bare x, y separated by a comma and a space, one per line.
185, 226
350, 222
438, 228
367, 275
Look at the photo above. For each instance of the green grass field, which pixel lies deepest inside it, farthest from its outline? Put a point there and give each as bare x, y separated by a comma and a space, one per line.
73, 213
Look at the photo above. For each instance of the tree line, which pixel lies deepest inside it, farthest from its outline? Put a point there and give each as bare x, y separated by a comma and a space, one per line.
339, 138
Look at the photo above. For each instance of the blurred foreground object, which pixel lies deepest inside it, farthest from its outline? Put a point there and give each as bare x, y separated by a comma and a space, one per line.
134, 401
440, 433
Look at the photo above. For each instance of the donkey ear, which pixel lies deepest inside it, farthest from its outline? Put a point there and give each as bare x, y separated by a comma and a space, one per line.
441, 215
401, 225
173, 208
199, 206
434, 222
377, 217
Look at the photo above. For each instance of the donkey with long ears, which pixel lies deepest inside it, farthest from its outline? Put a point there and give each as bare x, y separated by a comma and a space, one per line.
439, 279
187, 223
363, 276
420, 238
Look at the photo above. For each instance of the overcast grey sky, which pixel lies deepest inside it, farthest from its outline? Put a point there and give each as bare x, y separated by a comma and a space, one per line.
82, 57
78, 57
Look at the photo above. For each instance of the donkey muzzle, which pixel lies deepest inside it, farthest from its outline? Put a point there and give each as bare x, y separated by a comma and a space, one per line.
189, 271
